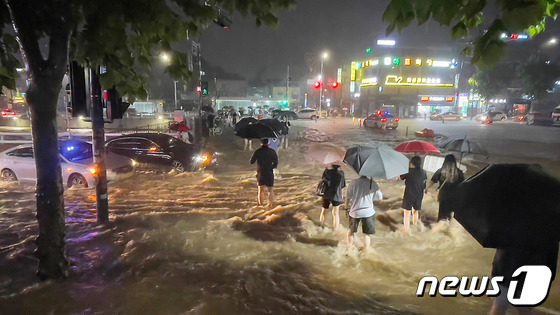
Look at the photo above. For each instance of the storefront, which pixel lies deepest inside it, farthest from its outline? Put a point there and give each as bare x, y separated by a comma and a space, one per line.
435, 104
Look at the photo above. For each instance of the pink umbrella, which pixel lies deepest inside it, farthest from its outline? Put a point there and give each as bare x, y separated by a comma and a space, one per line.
420, 147
325, 153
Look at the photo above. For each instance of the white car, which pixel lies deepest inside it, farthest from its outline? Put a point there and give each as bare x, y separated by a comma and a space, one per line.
76, 161
308, 113
18, 164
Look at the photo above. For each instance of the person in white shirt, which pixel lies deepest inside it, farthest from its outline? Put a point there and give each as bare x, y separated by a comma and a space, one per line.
360, 195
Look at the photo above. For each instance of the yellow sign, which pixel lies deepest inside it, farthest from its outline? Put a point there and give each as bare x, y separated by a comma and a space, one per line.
415, 81
369, 81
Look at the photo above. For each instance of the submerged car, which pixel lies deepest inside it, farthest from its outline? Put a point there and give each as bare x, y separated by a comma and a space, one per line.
446, 116
308, 113
380, 120
280, 114
491, 116
76, 159
18, 164
161, 151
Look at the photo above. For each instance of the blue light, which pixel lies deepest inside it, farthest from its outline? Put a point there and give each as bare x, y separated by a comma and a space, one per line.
69, 148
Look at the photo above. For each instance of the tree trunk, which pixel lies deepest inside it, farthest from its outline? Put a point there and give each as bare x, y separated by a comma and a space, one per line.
42, 97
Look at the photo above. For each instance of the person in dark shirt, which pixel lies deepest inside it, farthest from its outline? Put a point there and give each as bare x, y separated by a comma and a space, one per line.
334, 178
508, 260
448, 176
267, 161
415, 183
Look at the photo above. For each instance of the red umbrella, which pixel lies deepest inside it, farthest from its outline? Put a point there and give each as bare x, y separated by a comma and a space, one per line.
421, 147
179, 127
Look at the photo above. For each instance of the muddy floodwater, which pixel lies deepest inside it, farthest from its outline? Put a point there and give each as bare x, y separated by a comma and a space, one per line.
197, 243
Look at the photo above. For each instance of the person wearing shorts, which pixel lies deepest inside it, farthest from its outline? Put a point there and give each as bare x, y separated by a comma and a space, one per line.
360, 196
267, 161
415, 183
333, 176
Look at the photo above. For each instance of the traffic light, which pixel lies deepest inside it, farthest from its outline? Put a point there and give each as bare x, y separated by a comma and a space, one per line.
204, 88
115, 106
334, 84
78, 102
317, 84
198, 89
285, 102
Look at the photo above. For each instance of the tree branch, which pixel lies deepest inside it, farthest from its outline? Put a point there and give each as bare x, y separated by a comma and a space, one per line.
26, 36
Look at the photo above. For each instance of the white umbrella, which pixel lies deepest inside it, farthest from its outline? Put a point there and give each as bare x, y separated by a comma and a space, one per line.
378, 162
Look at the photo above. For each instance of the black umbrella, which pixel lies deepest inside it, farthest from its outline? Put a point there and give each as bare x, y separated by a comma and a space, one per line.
244, 122
256, 131
507, 205
207, 108
276, 125
464, 146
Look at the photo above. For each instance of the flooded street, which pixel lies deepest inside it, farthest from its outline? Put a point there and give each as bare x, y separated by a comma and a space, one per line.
197, 243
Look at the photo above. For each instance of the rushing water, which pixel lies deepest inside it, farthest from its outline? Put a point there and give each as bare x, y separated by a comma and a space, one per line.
196, 243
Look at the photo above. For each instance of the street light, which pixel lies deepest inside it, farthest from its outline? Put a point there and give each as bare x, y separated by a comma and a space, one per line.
166, 59
323, 57
552, 41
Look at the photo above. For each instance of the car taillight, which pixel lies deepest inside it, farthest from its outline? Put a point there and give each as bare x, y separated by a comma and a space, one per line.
205, 158
13, 114
396, 120
153, 149
383, 120
3, 113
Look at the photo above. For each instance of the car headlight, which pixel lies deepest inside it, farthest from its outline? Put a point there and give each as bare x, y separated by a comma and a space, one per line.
133, 162
92, 170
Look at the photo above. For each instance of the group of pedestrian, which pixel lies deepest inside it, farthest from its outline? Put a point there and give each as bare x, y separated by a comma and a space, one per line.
363, 191
274, 143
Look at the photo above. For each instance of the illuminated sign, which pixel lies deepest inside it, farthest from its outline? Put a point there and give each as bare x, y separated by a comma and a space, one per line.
352, 87
415, 81
436, 98
339, 75
369, 81
385, 42
353, 71
441, 64
419, 62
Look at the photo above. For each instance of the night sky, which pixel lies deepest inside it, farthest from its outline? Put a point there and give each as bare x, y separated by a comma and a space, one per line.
343, 28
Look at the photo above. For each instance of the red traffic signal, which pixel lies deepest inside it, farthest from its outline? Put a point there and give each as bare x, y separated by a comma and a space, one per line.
198, 89
334, 84
317, 84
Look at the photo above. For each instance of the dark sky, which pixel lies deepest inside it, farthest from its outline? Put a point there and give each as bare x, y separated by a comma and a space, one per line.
343, 28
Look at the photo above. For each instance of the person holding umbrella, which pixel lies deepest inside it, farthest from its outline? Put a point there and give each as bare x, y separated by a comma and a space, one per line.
267, 161
334, 180
360, 196
415, 183
449, 174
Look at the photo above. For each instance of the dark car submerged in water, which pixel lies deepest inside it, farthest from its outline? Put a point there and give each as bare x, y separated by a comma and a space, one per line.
158, 151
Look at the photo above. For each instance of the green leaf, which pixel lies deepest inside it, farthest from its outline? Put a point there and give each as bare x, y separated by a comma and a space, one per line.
459, 31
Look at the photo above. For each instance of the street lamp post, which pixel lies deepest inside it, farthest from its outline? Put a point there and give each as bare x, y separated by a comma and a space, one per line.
175, 86
323, 57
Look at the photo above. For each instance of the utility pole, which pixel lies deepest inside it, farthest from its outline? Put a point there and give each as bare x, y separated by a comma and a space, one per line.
98, 136
288, 84
175, 88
